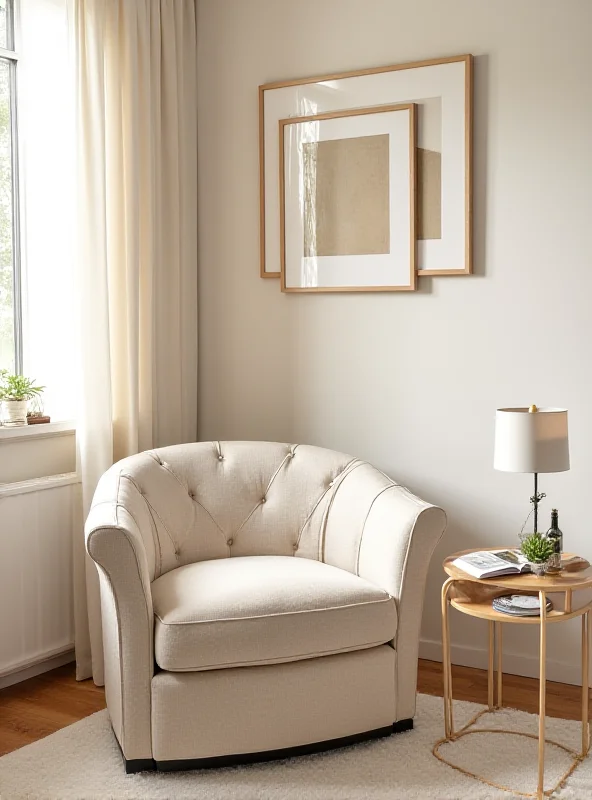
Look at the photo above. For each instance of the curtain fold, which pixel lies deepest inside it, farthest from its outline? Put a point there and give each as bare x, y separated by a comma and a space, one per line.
135, 65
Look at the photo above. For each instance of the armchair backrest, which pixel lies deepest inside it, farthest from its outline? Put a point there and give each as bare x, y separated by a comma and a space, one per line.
208, 500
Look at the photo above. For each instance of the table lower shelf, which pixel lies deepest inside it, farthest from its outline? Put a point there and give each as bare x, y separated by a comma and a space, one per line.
484, 610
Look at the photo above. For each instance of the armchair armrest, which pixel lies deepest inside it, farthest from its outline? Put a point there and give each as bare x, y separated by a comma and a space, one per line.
385, 534
114, 542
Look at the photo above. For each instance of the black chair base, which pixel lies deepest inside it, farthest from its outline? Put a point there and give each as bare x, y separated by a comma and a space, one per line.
146, 764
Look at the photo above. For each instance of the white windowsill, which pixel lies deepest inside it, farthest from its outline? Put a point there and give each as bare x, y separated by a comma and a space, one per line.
39, 484
41, 431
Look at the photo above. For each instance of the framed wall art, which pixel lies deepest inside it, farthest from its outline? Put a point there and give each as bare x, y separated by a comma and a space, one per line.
347, 200
442, 92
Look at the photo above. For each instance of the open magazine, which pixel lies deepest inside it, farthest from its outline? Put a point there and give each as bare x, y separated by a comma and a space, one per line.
489, 564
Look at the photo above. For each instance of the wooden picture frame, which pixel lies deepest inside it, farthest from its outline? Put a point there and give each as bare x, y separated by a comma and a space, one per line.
451, 77
363, 270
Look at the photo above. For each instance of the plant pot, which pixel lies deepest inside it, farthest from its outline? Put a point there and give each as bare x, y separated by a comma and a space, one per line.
538, 568
15, 413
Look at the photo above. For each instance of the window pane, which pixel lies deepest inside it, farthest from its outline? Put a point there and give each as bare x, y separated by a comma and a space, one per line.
6, 24
6, 245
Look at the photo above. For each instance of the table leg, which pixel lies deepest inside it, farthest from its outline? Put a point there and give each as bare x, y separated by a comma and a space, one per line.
446, 663
542, 692
491, 648
585, 682
498, 645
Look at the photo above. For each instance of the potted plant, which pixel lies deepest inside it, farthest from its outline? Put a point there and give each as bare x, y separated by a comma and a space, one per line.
538, 550
15, 392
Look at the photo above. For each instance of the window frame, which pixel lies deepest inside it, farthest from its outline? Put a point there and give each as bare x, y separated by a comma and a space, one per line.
10, 55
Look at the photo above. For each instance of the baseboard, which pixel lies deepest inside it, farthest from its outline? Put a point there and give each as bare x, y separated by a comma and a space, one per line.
429, 649
30, 670
513, 664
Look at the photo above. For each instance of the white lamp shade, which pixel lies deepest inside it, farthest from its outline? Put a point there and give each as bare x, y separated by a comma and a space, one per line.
531, 441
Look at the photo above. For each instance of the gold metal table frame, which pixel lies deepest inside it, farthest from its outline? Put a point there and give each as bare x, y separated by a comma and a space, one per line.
474, 596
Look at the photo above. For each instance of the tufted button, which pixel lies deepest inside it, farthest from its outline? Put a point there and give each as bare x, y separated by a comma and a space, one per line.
263, 500
230, 542
331, 483
295, 546
192, 495
220, 458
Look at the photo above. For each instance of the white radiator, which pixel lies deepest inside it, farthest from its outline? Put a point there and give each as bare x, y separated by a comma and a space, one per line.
38, 519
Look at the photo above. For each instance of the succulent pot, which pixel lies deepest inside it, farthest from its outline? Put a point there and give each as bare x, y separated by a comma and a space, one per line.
15, 413
538, 567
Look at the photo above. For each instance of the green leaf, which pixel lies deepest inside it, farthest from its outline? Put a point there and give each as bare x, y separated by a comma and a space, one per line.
537, 548
17, 387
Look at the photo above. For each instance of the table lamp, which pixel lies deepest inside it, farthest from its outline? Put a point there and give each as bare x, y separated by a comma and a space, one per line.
531, 440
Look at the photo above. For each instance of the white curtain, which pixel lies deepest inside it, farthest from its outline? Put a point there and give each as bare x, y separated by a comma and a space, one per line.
133, 67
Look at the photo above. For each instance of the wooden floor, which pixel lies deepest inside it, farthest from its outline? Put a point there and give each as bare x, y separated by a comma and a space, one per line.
35, 708
40, 706
563, 700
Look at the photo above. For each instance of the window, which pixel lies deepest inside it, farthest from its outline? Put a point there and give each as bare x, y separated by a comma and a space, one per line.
10, 294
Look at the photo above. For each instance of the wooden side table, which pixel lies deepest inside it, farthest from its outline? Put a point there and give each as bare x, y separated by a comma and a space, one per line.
474, 596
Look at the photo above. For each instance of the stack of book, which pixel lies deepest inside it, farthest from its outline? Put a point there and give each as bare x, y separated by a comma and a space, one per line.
520, 605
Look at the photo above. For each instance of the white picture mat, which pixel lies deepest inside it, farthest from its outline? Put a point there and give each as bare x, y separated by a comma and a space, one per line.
389, 269
446, 81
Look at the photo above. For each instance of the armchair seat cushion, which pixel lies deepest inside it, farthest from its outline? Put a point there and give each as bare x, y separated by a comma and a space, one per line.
250, 610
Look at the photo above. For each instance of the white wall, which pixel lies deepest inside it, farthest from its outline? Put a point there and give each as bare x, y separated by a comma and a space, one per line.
411, 382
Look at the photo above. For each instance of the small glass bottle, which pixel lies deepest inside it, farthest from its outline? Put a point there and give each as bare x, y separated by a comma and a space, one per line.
556, 536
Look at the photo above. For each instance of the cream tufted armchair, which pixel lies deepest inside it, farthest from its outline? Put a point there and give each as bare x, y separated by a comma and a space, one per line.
258, 600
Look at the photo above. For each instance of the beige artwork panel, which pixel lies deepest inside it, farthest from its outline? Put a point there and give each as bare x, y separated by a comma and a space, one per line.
346, 196
429, 189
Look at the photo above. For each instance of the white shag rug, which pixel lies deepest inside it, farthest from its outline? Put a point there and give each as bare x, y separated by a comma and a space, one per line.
83, 762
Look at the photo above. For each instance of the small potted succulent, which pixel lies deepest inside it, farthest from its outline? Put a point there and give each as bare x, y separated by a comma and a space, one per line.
15, 392
538, 550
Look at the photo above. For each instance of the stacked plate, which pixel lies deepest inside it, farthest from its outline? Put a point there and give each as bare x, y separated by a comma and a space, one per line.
520, 605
